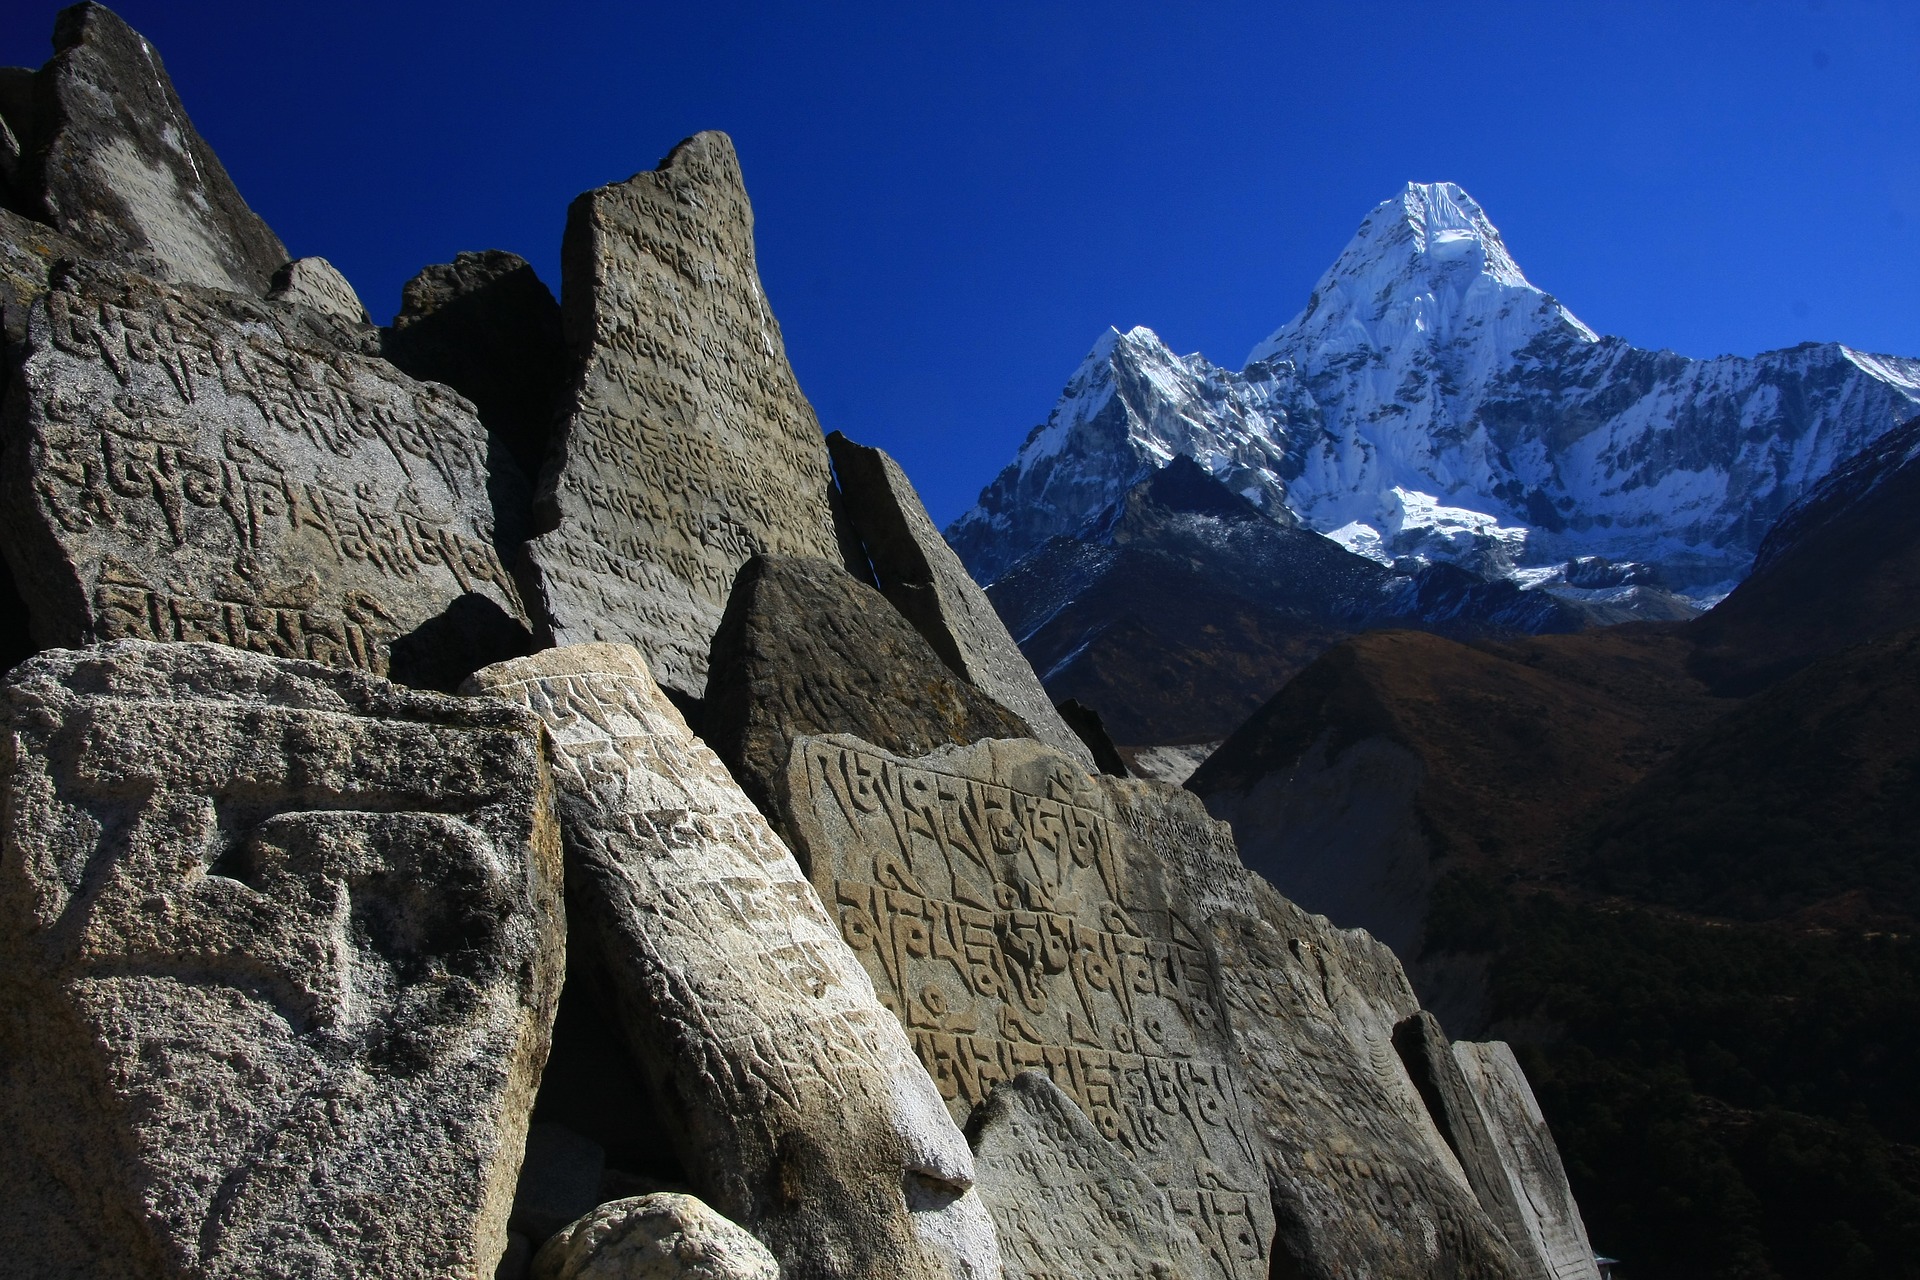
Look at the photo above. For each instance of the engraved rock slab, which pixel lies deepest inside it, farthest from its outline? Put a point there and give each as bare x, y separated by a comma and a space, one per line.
689, 446
280, 945
664, 1236
919, 572
805, 649
187, 464
1065, 1201
121, 169
800, 1109
1014, 920
1530, 1157
317, 283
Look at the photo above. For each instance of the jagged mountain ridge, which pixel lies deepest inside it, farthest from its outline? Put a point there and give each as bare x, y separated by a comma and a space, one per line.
1430, 401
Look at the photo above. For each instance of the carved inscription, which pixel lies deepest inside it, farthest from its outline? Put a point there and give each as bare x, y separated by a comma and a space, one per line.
1005, 920
737, 992
197, 472
690, 446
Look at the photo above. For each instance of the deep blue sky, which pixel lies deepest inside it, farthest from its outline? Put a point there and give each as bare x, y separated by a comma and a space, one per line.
955, 200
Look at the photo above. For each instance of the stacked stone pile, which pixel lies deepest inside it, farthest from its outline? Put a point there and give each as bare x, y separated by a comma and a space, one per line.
748, 912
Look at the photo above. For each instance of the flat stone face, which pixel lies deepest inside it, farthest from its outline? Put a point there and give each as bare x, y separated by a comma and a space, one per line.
1363, 1183
800, 1110
124, 172
928, 584
186, 464
1065, 1201
317, 283
1531, 1159
805, 649
689, 446
280, 946
1015, 920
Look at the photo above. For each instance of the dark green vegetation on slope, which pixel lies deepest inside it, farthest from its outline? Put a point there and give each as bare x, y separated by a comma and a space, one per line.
1686, 860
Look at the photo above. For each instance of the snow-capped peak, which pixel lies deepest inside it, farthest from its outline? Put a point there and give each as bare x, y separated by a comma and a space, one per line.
1426, 262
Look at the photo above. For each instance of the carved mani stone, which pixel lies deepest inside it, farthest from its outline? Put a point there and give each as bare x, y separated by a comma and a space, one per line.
123, 171
689, 446
1550, 1219
1013, 919
805, 649
188, 464
1065, 1202
1363, 1184
280, 946
317, 283
919, 572
800, 1110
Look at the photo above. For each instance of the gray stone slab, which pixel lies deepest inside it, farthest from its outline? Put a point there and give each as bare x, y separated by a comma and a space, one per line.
928, 584
1014, 919
317, 283
120, 168
805, 649
798, 1108
1066, 1202
188, 464
1530, 1159
280, 946
689, 446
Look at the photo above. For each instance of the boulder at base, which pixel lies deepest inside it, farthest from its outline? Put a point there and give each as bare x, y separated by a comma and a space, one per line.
663, 1236
280, 947
797, 1106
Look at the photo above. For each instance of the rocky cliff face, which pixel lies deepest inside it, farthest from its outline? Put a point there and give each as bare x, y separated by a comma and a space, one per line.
309, 967
1430, 401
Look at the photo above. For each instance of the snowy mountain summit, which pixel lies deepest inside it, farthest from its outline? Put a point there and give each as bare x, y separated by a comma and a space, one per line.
1430, 403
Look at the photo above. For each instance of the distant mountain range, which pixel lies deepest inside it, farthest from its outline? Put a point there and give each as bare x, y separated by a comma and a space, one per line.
1430, 404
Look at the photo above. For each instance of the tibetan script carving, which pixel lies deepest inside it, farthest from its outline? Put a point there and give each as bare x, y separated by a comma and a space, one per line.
689, 447
197, 466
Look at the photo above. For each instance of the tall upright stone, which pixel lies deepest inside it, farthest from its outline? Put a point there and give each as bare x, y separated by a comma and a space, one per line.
689, 446
919, 572
800, 1110
280, 948
189, 464
120, 168
1551, 1220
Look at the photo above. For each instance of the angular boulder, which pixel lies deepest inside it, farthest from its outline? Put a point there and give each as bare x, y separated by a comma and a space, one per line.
280, 946
485, 325
663, 1236
1550, 1221
189, 464
689, 446
805, 649
798, 1107
119, 167
317, 283
919, 572
1064, 1200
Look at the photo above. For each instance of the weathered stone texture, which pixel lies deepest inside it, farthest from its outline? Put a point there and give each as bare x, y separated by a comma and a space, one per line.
279, 949
799, 1107
186, 464
27, 254
1363, 1183
118, 166
1530, 1159
317, 283
1014, 921
485, 325
1065, 1201
689, 447
928, 584
804, 649
654, 1237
